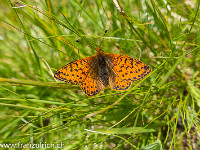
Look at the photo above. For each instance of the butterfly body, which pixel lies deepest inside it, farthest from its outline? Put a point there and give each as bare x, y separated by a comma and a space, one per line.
95, 73
101, 68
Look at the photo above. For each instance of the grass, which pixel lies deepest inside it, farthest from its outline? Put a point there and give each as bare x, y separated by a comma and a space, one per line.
158, 112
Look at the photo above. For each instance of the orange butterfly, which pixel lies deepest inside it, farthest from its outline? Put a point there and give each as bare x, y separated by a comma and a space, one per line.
94, 73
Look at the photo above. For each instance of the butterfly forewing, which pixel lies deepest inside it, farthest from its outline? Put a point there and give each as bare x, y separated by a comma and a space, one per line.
75, 72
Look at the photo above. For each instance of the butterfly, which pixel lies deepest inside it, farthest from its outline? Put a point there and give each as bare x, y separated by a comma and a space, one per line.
95, 73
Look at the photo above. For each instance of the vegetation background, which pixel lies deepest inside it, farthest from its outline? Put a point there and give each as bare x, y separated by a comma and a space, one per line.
159, 112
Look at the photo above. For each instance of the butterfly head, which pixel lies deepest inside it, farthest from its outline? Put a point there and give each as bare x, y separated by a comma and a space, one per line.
98, 49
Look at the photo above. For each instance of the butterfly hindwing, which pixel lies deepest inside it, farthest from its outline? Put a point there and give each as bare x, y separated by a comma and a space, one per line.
117, 84
92, 85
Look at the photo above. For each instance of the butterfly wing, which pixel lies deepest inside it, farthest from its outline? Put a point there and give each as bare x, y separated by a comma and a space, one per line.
127, 68
83, 73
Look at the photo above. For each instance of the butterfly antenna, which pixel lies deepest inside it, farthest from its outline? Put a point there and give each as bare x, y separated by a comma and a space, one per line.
83, 43
103, 38
97, 48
